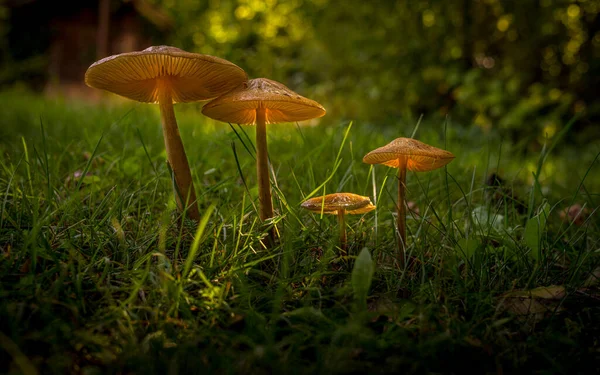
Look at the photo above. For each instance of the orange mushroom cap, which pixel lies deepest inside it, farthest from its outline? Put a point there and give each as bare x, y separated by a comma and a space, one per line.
420, 157
282, 104
331, 203
191, 76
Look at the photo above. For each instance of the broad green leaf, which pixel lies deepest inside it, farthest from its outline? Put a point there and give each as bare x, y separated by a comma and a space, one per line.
468, 246
534, 230
362, 276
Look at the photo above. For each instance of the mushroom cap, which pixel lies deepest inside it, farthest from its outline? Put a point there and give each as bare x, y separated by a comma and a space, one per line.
331, 203
282, 104
192, 76
420, 157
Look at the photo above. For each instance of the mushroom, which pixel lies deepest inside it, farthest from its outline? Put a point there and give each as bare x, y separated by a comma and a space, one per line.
168, 75
259, 102
576, 214
407, 154
340, 204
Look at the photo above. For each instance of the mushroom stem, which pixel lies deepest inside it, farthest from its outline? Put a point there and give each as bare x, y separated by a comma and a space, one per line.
342, 223
262, 169
176, 154
401, 210
262, 166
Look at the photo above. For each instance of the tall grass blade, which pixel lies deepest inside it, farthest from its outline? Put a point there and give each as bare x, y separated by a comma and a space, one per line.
196, 243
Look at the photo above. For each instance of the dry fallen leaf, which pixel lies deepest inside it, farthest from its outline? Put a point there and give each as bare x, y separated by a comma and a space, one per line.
5, 250
534, 304
545, 292
593, 279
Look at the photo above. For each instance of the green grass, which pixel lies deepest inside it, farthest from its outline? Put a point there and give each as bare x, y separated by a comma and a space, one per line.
97, 275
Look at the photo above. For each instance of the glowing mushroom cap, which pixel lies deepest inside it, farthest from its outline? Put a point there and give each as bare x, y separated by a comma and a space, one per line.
331, 203
420, 157
192, 76
282, 104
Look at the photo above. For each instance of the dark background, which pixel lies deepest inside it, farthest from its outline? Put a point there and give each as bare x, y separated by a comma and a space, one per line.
524, 68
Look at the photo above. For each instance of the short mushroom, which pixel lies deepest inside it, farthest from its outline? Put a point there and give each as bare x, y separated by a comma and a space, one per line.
407, 154
340, 204
259, 102
168, 75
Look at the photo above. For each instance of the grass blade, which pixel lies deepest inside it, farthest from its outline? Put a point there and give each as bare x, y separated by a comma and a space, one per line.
196, 243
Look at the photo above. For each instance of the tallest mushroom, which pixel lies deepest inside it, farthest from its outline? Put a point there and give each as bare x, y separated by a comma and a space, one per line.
168, 75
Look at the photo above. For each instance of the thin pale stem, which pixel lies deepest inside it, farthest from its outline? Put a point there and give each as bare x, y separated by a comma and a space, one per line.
176, 153
342, 223
262, 169
401, 211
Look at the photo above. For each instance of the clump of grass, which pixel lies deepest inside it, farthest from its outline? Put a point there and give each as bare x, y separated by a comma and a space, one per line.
97, 275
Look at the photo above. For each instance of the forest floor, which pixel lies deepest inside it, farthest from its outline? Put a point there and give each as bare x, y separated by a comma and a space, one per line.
99, 274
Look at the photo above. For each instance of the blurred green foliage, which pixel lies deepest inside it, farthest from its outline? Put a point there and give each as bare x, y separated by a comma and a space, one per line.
525, 67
